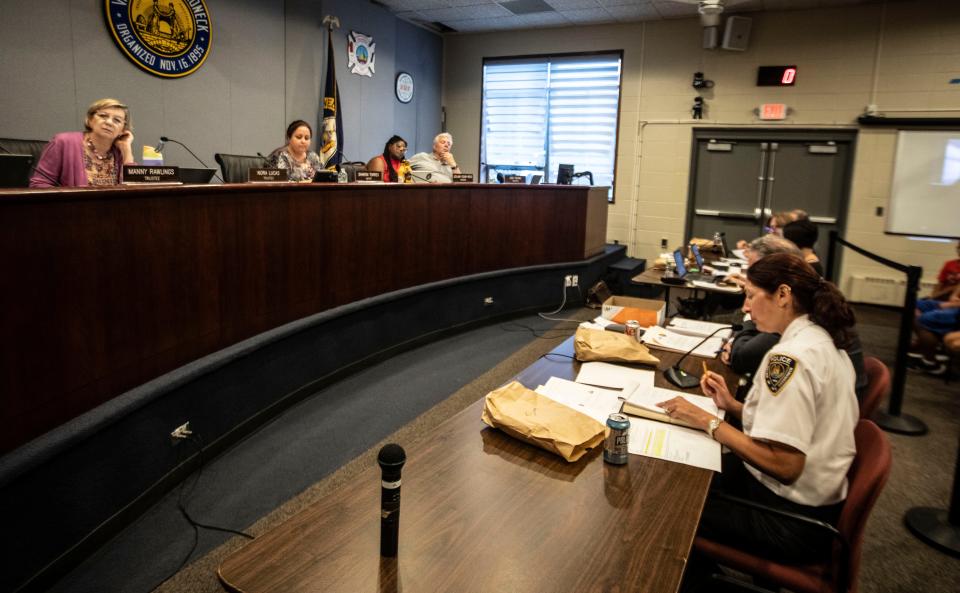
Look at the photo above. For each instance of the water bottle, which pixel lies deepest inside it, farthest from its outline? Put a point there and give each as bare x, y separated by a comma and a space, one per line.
342, 176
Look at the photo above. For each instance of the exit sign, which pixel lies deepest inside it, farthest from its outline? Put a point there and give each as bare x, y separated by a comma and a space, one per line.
773, 111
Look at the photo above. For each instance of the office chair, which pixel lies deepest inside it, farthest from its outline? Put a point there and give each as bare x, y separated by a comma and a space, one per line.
839, 573
351, 168
878, 386
18, 146
236, 167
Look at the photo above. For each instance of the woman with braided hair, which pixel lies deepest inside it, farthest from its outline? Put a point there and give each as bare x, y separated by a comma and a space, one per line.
392, 162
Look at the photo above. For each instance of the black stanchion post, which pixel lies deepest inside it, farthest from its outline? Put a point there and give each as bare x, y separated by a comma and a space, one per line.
937, 527
832, 256
892, 420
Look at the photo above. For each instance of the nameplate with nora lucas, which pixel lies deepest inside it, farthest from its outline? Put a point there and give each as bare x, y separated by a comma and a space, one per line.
262, 175
150, 174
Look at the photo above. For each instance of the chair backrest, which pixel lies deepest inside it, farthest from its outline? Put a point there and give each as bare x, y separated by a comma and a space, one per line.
867, 476
236, 167
351, 168
18, 146
878, 385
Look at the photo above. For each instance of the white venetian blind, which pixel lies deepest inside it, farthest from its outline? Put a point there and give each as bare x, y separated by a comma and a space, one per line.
540, 113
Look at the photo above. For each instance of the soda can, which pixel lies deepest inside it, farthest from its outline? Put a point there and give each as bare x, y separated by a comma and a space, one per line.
632, 328
615, 445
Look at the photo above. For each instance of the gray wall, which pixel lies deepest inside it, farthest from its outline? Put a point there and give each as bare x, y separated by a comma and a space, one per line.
266, 68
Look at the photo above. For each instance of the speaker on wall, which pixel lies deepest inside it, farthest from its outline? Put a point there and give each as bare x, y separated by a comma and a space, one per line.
736, 33
710, 37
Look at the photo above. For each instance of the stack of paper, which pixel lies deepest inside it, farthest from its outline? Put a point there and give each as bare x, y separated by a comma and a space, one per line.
692, 327
662, 337
596, 402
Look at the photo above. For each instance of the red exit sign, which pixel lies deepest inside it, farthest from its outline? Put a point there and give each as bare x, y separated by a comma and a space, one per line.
773, 111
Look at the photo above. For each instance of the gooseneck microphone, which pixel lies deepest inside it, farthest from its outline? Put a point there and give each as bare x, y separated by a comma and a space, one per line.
391, 459
266, 161
164, 140
682, 378
159, 146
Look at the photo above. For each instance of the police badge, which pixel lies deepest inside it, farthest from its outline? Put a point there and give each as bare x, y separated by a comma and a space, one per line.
780, 369
168, 38
360, 54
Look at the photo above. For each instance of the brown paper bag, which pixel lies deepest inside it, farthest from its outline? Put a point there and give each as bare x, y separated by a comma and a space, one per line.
540, 421
601, 345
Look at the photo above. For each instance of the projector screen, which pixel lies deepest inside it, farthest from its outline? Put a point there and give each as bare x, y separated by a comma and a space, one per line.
925, 195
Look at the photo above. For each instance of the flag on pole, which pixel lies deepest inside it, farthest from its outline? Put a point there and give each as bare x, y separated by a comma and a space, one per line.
331, 137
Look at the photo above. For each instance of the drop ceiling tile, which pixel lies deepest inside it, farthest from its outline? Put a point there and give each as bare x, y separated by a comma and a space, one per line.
638, 12
588, 16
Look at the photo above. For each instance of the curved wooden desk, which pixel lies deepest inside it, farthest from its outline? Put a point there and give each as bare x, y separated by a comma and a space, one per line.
484, 512
108, 289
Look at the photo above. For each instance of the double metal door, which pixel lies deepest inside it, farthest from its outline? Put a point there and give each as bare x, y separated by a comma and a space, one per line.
740, 178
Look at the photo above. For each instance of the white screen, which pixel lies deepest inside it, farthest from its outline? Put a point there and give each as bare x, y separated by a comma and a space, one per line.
925, 195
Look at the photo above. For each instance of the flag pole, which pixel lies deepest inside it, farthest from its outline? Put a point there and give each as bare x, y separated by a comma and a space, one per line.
330, 146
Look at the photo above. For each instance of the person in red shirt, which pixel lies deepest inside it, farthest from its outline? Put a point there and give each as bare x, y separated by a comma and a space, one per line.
948, 278
391, 162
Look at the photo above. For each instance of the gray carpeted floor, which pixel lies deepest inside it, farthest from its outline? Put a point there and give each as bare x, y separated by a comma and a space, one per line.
263, 475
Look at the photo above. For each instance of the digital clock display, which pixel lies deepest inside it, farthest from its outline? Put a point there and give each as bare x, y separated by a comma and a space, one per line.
776, 75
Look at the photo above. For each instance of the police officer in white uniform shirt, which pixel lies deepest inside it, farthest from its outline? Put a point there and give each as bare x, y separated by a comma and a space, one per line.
798, 419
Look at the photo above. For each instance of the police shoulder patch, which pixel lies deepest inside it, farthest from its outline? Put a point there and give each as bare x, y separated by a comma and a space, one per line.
780, 369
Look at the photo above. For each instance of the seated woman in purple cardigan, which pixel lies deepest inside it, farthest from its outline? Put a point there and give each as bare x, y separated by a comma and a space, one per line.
93, 157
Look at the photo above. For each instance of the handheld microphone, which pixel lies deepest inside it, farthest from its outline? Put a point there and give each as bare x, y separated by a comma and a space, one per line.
164, 140
682, 378
391, 459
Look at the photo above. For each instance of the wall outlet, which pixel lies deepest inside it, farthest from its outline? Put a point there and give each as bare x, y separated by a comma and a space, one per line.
576, 280
567, 281
487, 301
180, 433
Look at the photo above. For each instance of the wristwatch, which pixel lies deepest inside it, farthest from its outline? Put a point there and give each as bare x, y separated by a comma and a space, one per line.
713, 426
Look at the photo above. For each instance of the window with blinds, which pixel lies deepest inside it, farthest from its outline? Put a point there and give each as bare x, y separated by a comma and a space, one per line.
540, 112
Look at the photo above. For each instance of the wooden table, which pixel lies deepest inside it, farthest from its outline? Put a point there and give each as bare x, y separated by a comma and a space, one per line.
482, 511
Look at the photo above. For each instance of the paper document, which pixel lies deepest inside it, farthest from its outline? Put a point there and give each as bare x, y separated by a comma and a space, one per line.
649, 398
673, 443
599, 322
596, 402
738, 253
662, 337
692, 327
612, 376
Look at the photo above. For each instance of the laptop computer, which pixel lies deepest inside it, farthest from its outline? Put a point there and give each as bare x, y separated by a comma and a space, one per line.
685, 274
15, 170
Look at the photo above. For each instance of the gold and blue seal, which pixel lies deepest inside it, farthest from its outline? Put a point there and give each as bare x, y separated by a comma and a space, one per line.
168, 38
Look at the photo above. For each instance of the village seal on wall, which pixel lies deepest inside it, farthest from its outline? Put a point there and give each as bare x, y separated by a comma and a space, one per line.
169, 38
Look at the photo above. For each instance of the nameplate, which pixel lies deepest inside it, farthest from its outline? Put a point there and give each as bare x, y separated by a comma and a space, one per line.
261, 175
146, 174
514, 179
463, 177
369, 176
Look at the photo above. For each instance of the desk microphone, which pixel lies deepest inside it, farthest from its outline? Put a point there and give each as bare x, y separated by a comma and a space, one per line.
266, 161
164, 140
682, 378
391, 459
428, 178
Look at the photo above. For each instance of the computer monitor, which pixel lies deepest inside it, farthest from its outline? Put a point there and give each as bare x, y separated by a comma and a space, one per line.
15, 170
696, 256
565, 174
681, 266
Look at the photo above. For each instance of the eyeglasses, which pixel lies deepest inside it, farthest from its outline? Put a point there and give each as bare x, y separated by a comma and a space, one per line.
115, 119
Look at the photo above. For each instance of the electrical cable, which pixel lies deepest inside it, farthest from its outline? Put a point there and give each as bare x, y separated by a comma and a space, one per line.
182, 507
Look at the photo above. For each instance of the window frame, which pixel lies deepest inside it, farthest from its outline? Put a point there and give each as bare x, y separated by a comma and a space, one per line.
534, 58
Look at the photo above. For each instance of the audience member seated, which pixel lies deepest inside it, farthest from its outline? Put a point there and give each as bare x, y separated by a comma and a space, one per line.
804, 235
935, 320
438, 166
947, 279
797, 442
296, 157
776, 222
392, 163
93, 157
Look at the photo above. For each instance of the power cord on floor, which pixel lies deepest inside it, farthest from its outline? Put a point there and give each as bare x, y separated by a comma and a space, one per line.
197, 442
563, 303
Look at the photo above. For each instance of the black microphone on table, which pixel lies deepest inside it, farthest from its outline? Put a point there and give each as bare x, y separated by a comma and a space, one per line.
391, 459
164, 140
266, 161
682, 378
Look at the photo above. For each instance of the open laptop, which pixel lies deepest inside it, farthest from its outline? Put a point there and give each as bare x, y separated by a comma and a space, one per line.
15, 170
687, 275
